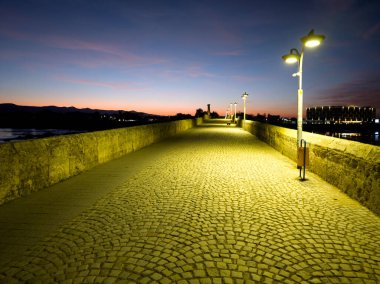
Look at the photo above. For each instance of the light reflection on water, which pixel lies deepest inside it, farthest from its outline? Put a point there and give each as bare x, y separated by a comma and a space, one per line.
13, 134
373, 139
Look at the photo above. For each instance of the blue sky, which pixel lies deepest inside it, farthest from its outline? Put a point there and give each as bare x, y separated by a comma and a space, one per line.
165, 57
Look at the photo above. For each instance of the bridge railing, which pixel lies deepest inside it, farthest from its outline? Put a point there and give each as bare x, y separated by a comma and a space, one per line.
28, 166
351, 166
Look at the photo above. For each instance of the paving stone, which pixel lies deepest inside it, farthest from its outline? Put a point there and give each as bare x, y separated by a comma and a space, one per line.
212, 205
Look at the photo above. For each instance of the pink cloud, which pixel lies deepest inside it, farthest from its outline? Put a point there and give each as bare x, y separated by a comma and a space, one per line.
107, 52
337, 6
13, 34
370, 33
78, 44
228, 53
59, 41
246, 78
360, 92
196, 70
104, 84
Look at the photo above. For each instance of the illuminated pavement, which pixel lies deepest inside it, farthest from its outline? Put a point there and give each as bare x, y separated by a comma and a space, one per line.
214, 205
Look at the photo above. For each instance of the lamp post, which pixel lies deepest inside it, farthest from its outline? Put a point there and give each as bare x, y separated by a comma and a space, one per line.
231, 111
311, 40
244, 97
235, 112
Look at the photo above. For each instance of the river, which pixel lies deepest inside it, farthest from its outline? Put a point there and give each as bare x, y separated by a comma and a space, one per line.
13, 134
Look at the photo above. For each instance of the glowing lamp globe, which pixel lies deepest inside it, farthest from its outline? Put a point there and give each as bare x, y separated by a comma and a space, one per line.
312, 40
290, 58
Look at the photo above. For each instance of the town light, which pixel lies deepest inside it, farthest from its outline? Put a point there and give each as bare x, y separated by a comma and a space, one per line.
227, 113
292, 57
244, 97
235, 112
231, 111
311, 40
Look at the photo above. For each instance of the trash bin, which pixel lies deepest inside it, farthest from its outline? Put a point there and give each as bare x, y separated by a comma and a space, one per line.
301, 159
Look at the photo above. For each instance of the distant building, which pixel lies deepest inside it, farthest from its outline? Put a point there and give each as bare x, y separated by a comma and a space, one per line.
340, 114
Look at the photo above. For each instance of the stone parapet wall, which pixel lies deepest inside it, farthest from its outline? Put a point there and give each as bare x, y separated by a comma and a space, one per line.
28, 166
351, 166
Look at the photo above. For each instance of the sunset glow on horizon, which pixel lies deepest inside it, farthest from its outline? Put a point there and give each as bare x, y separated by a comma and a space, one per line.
165, 58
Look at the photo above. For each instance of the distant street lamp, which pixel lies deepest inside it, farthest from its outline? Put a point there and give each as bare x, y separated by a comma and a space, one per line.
235, 112
231, 111
244, 97
311, 40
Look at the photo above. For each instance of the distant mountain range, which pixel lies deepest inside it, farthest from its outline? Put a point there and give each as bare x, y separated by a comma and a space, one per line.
53, 117
8, 107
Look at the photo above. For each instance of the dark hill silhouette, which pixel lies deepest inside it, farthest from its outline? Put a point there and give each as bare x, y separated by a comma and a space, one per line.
16, 116
7, 107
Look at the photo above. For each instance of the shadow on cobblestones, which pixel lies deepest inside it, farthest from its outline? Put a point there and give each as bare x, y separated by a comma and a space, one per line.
218, 206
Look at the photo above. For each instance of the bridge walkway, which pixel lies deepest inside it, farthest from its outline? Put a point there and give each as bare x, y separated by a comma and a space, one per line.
212, 205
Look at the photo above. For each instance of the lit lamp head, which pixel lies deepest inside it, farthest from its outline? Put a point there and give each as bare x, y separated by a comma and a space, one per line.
292, 57
312, 40
244, 96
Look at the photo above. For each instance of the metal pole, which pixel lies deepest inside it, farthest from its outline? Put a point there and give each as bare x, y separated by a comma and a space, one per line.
235, 113
244, 109
299, 101
244, 97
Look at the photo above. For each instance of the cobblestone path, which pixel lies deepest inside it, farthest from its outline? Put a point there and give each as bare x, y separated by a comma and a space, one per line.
215, 205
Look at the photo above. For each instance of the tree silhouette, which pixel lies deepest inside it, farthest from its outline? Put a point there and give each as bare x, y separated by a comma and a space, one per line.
199, 112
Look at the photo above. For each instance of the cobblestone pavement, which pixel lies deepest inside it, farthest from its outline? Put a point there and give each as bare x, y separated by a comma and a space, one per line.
215, 206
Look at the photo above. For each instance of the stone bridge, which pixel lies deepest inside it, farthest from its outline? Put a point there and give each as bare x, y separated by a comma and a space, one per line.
212, 204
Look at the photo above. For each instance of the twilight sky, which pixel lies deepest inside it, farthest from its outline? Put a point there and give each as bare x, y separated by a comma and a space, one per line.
170, 56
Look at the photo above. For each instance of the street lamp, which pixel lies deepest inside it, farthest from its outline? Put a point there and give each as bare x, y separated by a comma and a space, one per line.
235, 112
244, 97
231, 111
311, 40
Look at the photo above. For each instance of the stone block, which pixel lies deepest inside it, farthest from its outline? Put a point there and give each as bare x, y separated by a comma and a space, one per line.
57, 156
351, 166
28, 166
9, 172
